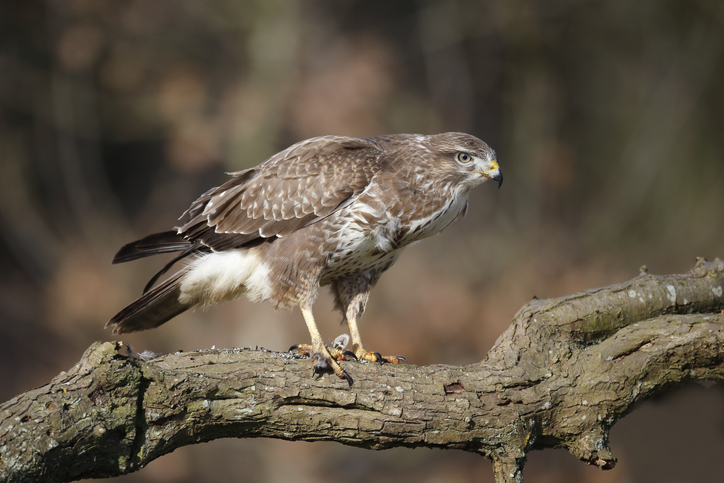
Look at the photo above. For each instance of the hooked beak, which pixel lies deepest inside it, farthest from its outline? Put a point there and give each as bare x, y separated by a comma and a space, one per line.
495, 174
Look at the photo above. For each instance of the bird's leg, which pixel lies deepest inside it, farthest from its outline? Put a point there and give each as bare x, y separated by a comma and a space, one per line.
357, 348
350, 298
354, 333
318, 352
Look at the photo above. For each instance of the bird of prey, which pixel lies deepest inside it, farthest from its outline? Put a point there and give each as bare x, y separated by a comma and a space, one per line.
331, 210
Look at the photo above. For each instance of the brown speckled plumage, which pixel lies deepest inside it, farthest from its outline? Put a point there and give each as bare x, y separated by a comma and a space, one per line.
330, 210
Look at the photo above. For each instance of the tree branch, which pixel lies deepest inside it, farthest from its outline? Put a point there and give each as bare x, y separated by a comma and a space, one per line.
564, 372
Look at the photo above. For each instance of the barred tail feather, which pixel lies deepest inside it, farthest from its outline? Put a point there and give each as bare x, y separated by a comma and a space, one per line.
152, 309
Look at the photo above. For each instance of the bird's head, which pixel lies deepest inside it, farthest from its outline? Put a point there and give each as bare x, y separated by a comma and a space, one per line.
467, 161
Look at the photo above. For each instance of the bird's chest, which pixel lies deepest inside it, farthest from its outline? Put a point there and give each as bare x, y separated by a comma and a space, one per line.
433, 219
371, 237
350, 263
358, 247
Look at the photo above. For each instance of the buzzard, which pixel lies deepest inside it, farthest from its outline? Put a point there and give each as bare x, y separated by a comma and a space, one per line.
331, 210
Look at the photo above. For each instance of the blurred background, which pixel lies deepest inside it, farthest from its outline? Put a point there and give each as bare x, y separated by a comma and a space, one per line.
606, 116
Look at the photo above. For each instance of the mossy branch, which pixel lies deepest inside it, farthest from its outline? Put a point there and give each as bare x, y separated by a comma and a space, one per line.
564, 372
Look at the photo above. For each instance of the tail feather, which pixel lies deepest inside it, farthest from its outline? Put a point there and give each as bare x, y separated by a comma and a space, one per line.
164, 242
191, 249
152, 309
167, 241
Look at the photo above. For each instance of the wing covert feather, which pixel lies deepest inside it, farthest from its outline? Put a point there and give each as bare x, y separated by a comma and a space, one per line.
302, 184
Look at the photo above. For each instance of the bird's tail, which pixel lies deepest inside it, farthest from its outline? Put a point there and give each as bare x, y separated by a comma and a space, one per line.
165, 242
152, 309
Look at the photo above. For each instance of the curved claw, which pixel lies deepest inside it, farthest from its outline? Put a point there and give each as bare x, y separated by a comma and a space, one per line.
349, 354
294, 347
347, 377
380, 360
402, 359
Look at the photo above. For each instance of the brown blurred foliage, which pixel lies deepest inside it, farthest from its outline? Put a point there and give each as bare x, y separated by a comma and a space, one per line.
607, 120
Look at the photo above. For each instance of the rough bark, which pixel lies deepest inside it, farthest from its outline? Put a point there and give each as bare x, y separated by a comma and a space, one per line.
563, 373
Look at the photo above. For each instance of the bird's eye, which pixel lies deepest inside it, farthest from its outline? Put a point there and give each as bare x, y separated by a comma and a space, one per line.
464, 157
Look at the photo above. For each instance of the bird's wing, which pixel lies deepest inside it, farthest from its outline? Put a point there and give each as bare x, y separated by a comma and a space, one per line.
298, 186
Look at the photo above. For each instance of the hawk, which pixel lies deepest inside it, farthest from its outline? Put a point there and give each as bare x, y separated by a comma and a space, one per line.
331, 210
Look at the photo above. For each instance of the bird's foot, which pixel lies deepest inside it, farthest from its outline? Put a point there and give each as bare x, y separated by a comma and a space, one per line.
365, 355
325, 359
336, 354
